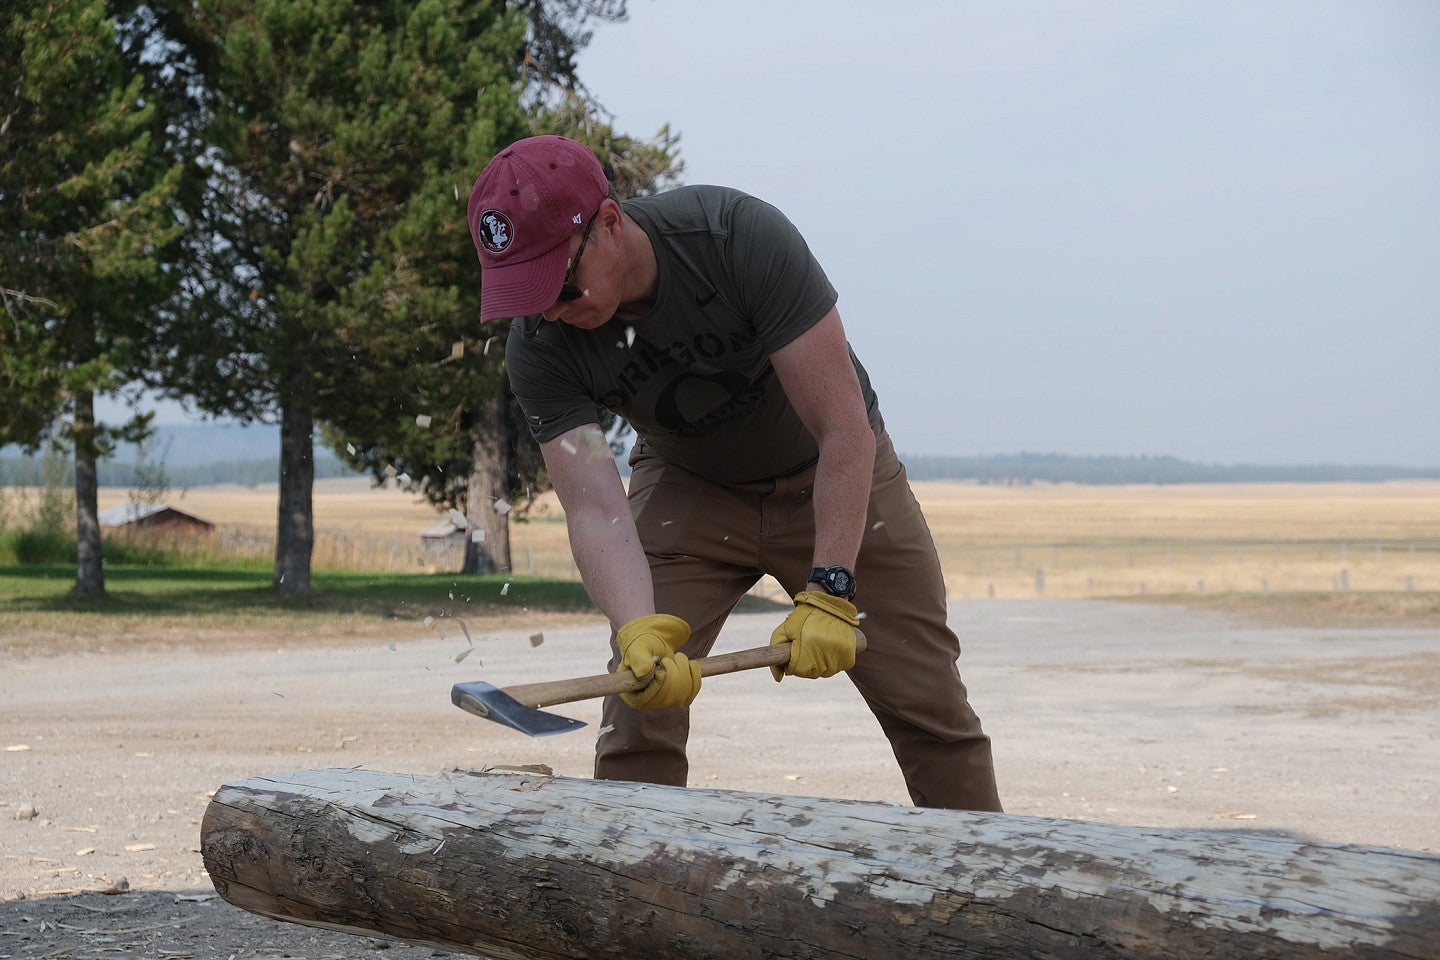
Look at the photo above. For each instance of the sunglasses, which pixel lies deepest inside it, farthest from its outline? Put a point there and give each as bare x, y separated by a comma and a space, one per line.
568, 290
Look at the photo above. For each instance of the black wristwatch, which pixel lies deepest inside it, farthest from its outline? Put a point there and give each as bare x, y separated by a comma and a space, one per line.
836, 581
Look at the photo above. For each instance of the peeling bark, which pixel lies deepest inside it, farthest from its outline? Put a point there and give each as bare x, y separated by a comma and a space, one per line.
527, 866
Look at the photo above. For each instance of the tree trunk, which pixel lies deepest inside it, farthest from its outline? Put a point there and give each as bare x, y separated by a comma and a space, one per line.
89, 568
534, 866
295, 535
489, 468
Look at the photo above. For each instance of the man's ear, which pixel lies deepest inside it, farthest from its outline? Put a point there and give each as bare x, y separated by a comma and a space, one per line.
611, 216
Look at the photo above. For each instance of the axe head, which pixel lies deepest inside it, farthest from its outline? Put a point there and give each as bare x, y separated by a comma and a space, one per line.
492, 703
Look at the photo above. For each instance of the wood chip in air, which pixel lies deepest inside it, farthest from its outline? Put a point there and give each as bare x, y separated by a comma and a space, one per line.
17, 748
423, 421
138, 847
536, 639
463, 654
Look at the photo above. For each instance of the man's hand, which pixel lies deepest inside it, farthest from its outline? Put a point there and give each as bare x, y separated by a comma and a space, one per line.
646, 641
821, 632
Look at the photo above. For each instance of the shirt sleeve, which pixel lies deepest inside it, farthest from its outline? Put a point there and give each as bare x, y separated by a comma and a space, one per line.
546, 381
781, 286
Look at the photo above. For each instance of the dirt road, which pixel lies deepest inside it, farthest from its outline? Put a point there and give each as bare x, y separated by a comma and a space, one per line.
1126, 713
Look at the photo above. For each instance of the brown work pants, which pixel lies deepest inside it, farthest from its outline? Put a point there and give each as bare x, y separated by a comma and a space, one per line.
709, 543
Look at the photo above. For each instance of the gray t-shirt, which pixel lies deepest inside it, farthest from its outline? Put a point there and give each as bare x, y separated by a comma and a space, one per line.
736, 283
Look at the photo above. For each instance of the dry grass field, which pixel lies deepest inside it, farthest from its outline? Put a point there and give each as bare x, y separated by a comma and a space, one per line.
1057, 541
1072, 541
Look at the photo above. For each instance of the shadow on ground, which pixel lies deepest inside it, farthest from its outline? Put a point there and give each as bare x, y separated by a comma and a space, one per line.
175, 925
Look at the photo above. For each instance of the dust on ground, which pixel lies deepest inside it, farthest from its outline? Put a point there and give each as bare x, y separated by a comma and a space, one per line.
1118, 712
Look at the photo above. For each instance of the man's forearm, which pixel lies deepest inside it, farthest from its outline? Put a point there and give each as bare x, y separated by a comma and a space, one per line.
612, 564
842, 496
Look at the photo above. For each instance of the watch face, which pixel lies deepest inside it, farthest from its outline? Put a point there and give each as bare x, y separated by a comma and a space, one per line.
837, 581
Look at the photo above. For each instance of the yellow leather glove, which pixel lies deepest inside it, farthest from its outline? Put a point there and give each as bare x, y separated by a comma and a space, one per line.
822, 633
647, 641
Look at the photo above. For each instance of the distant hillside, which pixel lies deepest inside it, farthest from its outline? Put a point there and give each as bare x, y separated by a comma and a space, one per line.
251, 456
22, 472
1022, 468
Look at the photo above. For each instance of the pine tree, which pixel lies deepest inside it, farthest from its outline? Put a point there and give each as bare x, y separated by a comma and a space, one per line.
453, 432
85, 229
331, 242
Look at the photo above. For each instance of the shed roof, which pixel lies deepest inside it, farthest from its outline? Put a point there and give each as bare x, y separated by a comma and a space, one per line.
119, 516
440, 529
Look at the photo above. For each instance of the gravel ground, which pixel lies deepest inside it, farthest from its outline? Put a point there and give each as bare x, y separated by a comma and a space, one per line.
1117, 712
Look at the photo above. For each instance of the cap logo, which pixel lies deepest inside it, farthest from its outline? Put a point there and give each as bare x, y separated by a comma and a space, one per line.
496, 231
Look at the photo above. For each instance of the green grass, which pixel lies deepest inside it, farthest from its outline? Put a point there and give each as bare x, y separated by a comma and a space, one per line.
35, 547
244, 590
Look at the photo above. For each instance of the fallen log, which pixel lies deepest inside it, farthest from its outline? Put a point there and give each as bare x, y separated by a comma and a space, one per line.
528, 866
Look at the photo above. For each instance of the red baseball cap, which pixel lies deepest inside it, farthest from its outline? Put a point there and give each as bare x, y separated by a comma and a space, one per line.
529, 200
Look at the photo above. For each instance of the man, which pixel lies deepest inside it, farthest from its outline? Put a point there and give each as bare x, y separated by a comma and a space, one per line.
700, 316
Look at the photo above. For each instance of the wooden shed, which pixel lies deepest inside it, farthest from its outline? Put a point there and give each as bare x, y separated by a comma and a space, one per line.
153, 516
442, 537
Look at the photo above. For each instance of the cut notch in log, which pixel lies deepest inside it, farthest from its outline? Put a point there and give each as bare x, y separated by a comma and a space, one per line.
529, 867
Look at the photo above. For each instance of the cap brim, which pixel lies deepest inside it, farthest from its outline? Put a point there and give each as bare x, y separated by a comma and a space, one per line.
521, 289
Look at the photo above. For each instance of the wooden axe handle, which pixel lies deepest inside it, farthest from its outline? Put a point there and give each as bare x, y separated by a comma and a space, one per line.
609, 684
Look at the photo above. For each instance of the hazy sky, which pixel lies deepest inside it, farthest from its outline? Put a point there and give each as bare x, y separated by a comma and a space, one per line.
1209, 229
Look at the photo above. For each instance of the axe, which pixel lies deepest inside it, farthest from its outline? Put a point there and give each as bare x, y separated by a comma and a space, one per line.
515, 707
